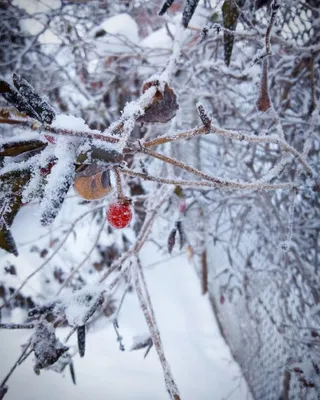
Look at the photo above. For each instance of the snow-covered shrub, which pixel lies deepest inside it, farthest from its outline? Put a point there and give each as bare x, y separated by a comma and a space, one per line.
227, 94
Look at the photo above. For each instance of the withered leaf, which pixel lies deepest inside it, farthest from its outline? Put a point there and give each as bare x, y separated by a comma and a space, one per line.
204, 116
182, 235
188, 11
12, 184
17, 100
92, 182
230, 13
72, 372
165, 6
164, 105
263, 102
109, 157
13, 149
171, 240
57, 198
6, 240
47, 348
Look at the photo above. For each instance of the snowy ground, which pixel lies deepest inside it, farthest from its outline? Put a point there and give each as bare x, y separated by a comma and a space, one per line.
200, 360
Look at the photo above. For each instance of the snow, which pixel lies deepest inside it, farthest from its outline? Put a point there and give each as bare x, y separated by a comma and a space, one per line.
66, 121
199, 358
158, 46
121, 35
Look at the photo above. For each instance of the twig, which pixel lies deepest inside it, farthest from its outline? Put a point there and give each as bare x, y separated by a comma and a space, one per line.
25, 281
119, 184
16, 326
15, 365
75, 270
200, 185
231, 135
147, 309
31, 124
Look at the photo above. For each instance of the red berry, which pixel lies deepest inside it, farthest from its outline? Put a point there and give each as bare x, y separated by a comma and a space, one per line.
119, 215
50, 139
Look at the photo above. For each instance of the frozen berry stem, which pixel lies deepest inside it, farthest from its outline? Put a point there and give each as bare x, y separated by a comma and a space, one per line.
119, 184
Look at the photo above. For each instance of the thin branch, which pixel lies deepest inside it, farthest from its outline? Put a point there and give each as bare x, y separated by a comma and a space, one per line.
200, 185
147, 309
15, 365
216, 181
31, 124
230, 134
26, 280
16, 326
83, 262
119, 184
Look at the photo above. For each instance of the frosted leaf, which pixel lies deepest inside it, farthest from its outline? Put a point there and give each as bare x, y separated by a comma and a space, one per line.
13, 97
203, 114
188, 11
264, 102
47, 348
59, 181
171, 240
14, 148
164, 104
6, 240
165, 6
81, 337
182, 235
41, 107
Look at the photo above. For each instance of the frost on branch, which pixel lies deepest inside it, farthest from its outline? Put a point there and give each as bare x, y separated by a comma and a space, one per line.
56, 189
